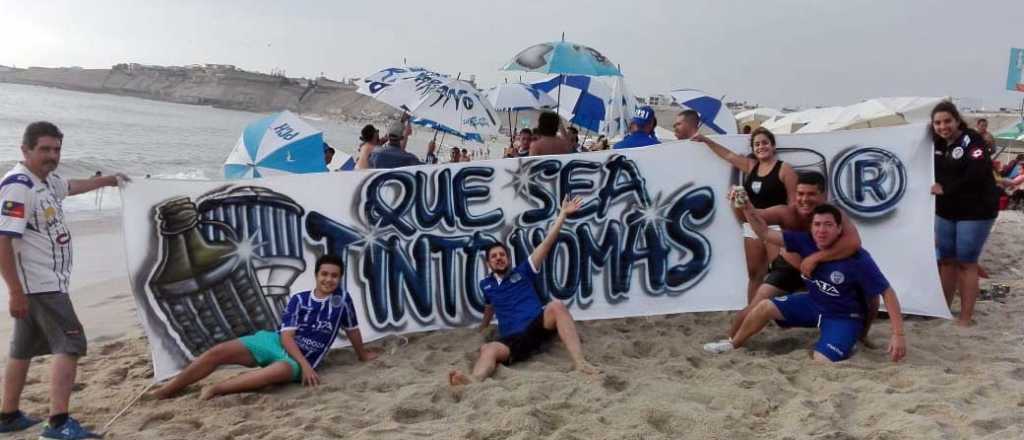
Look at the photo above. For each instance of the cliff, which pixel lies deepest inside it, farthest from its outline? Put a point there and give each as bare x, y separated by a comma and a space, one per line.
217, 85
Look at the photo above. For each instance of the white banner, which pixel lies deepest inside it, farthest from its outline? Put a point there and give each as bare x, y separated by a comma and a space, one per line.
211, 261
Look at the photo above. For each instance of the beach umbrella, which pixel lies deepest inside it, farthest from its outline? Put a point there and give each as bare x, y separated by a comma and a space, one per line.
619, 110
710, 110
1012, 133
434, 100
586, 99
1011, 137
563, 57
515, 97
760, 114
518, 96
281, 143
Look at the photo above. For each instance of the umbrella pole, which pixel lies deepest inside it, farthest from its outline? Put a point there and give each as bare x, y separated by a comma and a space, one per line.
558, 106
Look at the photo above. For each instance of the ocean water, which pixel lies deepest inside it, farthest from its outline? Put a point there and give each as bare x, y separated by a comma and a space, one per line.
110, 133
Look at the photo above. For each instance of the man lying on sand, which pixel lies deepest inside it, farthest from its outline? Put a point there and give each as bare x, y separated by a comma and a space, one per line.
784, 276
839, 292
523, 323
309, 325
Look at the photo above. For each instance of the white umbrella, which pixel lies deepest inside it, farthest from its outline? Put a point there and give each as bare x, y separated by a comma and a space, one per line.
435, 100
518, 96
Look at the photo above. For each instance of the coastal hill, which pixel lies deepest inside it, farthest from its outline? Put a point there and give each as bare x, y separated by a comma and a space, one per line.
218, 85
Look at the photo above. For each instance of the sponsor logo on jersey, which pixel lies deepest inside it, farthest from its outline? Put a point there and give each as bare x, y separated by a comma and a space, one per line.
837, 277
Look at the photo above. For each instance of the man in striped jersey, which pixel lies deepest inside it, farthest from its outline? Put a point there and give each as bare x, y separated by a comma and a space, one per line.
35, 262
309, 325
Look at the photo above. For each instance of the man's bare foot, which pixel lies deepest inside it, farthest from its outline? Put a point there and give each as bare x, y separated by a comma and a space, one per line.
964, 324
207, 393
456, 378
585, 368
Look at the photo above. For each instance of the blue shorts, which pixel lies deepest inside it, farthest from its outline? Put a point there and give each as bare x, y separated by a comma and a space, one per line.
838, 335
961, 240
265, 348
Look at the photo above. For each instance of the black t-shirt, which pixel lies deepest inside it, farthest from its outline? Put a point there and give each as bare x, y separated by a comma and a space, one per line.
964, 169
766, 191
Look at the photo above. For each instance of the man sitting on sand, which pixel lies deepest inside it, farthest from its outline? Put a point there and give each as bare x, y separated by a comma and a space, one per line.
784, 276
523, 323
839, 292
309, 325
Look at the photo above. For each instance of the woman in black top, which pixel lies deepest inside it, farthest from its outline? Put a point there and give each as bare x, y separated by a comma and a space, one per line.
966, 205
768, 182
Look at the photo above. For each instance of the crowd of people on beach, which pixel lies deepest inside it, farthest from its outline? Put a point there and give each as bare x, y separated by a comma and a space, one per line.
795, 244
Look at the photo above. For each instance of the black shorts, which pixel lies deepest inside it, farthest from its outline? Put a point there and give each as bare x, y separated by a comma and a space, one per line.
784, 276
524, 344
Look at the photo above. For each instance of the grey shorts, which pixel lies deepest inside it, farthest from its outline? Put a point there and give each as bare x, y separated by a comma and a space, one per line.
51, 327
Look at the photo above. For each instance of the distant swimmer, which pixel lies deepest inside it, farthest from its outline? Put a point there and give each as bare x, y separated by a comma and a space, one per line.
524, 324
309, 326
840, 292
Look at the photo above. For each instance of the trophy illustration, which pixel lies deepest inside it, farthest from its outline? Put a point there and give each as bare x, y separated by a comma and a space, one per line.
269, 226
207, 290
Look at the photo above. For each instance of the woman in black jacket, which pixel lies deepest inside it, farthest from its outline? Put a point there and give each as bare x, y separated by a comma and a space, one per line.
966, 205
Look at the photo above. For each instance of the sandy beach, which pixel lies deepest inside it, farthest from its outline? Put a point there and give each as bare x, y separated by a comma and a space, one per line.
656, 383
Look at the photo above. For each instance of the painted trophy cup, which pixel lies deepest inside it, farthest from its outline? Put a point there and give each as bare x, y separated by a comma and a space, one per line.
269, 225
207, 290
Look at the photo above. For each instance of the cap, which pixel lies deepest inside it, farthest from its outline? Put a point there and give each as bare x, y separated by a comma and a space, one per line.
396, 130
643, 115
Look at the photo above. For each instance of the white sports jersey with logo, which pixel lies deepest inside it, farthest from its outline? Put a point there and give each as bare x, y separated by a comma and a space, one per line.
30, 211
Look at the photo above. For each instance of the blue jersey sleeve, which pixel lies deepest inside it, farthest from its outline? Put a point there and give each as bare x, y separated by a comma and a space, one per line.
349, 320
872, 282
527, 270
799, 242
290, 317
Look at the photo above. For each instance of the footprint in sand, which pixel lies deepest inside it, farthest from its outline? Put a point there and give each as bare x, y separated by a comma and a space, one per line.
156, 419
409, 414
110, 348
614, 383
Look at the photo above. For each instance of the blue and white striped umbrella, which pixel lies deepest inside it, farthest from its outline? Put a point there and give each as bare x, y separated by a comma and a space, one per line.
281, 143
563, 57
591, 104
711, 111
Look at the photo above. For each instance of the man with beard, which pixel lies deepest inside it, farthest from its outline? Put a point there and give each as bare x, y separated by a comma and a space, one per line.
524, 324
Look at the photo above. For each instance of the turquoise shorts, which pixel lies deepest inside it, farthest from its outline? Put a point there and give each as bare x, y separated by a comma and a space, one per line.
265, 347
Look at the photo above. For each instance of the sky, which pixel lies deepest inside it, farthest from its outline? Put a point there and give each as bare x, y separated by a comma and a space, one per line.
795, 53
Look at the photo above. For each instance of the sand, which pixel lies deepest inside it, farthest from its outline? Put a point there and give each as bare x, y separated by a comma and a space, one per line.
657, 383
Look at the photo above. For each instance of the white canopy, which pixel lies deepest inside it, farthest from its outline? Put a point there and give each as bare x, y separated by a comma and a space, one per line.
878, 112
759, 114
